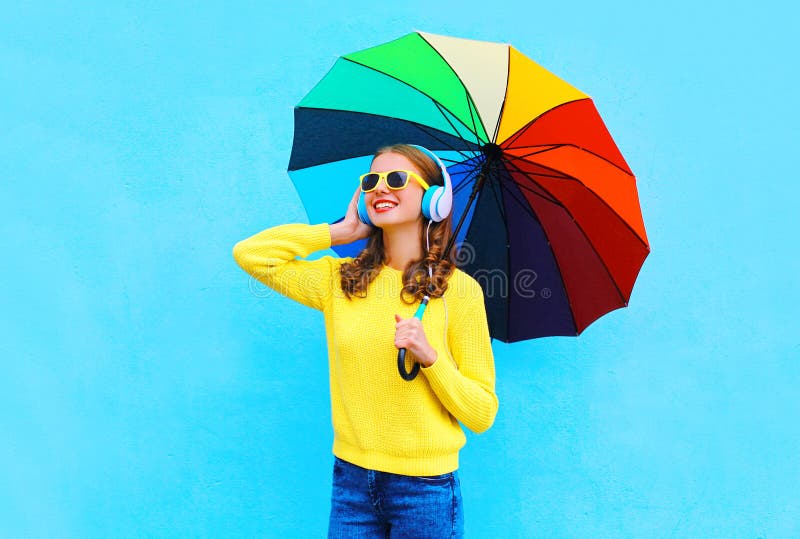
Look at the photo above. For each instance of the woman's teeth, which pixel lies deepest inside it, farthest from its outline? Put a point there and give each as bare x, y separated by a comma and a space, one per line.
384, 205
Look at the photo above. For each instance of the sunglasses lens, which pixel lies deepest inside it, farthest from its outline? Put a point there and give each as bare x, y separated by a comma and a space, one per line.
369, 182
397, 179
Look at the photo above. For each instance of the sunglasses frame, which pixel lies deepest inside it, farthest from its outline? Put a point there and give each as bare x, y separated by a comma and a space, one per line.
382, 176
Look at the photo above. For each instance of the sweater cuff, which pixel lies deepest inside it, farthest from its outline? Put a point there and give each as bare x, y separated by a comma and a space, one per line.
441, 372
319, 237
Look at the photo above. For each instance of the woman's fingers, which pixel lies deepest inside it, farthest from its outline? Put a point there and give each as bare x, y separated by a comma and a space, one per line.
352, 208
408, 330
359, 230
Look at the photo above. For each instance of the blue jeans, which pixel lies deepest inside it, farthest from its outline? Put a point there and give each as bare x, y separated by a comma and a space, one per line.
368, 503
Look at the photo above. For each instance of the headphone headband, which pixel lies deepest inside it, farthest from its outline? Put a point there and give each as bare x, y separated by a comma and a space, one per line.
433, 157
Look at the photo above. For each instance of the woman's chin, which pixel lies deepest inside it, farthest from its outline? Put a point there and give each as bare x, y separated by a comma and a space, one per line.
390, 221
383, 220
395, 218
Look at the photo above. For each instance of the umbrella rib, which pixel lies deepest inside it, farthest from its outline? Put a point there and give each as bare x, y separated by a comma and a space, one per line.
469, 106
423, 128
466, 91
453, 161
562, 145
544, 148
498, 201
442, 112
463, 185
526, 206
450, 147
466, 181
555, 175
495, 186
591, 244
505, 96
563, 176
548, 197
533, 192
407, 84
518, 133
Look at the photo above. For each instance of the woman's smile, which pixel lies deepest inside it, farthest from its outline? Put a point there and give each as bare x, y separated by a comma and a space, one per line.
383, 205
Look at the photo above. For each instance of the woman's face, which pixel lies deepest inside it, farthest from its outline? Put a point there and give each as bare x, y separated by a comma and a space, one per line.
404, 206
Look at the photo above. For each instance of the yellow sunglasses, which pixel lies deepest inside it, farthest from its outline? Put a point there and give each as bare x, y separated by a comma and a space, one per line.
395, 180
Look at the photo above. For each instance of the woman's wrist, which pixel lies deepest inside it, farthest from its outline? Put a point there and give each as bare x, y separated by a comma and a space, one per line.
430, 359
341, 233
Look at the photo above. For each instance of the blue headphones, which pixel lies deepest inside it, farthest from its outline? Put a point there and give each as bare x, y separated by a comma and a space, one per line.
437, 201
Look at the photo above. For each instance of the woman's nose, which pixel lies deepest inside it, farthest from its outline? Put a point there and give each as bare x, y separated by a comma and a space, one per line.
382, 187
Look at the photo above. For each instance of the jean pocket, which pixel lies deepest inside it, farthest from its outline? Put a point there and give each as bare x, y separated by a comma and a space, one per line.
443, 479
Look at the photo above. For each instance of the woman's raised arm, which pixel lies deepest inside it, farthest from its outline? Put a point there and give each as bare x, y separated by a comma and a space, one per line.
269, 256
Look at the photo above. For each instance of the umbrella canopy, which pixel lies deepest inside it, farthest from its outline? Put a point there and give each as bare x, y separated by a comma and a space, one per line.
548, 214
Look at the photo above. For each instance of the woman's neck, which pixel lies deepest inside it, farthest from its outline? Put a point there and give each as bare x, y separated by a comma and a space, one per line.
401, 245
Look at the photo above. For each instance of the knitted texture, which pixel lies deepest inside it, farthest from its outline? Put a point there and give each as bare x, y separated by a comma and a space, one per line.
381, 421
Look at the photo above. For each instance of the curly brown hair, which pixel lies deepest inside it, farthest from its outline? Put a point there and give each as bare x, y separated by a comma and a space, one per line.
358, 274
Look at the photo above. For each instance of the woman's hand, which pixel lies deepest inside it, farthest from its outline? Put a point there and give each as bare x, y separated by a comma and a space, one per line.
411, 336
350, 228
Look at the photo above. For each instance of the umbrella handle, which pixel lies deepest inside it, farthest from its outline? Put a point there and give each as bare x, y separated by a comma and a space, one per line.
401, 355
401, 366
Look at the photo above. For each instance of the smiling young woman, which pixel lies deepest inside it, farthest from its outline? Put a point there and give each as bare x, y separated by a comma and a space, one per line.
396, 442
397, 239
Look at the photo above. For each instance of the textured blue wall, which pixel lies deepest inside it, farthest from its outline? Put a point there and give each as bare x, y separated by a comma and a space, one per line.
150, 389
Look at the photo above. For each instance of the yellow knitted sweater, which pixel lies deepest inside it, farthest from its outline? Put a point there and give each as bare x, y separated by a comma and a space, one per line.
381, 421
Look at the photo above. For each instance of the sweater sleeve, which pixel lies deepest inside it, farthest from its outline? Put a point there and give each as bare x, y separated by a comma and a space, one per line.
467, 389
269, 256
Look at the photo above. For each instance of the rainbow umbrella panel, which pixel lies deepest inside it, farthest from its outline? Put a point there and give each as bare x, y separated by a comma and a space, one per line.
546, 211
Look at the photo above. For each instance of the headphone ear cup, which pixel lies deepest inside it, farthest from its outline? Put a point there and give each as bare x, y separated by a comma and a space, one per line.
429, 201
437, 202
444, 203
362, 210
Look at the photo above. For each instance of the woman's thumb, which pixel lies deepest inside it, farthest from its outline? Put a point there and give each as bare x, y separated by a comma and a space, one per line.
397, 318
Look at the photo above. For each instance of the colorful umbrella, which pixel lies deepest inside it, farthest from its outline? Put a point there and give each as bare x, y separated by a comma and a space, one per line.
547, 209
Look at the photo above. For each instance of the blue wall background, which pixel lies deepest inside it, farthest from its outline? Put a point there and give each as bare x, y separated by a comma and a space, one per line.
149, 389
